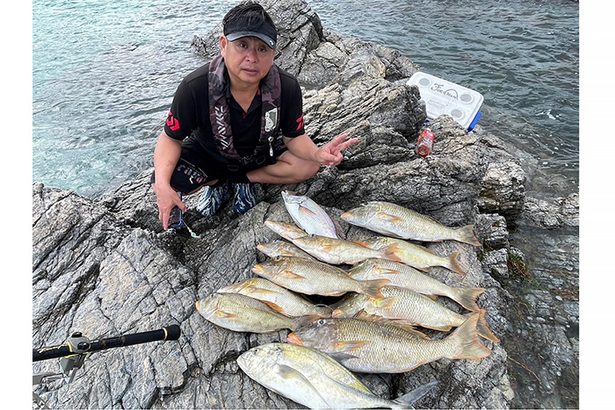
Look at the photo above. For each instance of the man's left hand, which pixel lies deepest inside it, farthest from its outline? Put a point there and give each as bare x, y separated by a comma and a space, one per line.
330, 154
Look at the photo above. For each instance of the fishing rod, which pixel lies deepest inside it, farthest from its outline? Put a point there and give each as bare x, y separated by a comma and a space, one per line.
76, 348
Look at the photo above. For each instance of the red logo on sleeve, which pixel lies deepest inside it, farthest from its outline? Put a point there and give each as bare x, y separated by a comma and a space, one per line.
299, 122
172, 122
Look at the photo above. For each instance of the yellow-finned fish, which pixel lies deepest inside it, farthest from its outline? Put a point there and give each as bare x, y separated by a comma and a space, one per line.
409, 307
277, 298
366, 346
243, 314
287, 231
313, 379
308, 215
315, 278
329, 250
413, 255
405, 276
282, 248
399, 222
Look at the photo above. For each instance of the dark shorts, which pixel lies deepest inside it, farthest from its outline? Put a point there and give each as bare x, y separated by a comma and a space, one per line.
196, 167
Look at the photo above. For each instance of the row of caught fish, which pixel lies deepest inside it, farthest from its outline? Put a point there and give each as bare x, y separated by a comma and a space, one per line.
383, 217
371, 330
340, 251
263, 305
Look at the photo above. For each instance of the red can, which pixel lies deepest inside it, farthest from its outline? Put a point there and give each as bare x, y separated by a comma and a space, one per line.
424, 142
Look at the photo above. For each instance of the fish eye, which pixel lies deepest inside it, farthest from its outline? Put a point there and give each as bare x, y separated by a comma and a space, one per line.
321, 322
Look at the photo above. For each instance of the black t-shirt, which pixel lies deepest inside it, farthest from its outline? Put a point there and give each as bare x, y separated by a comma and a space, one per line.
189, 114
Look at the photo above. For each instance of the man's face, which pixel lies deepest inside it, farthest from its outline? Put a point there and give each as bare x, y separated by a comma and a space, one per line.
247, 59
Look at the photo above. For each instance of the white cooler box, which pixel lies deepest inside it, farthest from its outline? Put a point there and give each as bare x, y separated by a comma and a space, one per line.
444, 97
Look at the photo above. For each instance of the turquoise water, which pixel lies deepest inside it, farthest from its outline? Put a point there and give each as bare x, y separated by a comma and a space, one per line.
104, 73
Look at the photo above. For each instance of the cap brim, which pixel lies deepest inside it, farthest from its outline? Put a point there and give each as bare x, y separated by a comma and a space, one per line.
241, 34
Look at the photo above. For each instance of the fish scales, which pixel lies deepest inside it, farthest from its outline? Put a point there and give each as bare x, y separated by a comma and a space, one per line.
243, 314
314, 278
403, 304
405, 276
329, 250
413, 255
277, 298
400, 222
379, 347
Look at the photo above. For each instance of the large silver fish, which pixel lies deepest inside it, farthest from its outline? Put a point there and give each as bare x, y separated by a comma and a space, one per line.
399, 222
243, 314
277, 298
409, 307
405, 276
308, 215
313, 379
366, 346
314, 277
413, 255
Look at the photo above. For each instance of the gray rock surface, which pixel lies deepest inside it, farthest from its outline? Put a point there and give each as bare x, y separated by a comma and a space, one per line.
104, 267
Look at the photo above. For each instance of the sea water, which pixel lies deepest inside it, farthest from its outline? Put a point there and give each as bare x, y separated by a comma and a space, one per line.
104, 73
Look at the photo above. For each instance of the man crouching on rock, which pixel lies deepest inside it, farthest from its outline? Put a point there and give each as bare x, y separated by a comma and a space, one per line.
236, 121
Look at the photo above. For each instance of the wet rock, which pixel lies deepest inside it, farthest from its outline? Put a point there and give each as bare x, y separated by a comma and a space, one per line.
554, 213
492, 231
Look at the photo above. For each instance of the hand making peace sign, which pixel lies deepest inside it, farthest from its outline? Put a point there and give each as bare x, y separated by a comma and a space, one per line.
330, 154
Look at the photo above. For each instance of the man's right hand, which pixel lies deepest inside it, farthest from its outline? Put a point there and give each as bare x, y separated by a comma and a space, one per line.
167, 199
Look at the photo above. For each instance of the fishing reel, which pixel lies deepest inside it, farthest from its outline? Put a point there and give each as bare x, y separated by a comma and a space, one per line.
73, 352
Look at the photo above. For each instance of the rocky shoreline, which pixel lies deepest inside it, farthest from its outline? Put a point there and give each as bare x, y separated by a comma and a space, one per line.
104, 267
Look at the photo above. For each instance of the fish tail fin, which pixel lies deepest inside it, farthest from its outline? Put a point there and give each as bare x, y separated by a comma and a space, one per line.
466, 297
407, 400
303, 321
483, 328
466, 344
454, 264
372, 288
466, 234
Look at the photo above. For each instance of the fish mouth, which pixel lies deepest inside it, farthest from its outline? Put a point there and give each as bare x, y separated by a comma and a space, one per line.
346, 216
294, 339
337, 313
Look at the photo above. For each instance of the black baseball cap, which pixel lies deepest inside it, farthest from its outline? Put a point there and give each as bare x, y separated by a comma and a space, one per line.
250, 23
